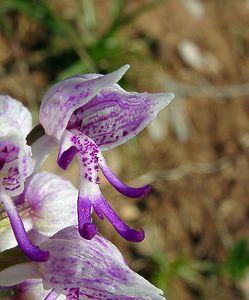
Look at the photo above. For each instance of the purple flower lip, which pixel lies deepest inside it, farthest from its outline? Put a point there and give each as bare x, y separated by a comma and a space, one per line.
90, 159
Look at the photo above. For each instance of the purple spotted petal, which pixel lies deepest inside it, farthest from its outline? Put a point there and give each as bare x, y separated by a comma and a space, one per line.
119, 185
74, 142
14, 115
114, 116
65, 97
53, 202
92, 268
15, 155
16, 163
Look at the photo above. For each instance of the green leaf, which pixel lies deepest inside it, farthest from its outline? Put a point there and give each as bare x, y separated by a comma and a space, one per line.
237, 261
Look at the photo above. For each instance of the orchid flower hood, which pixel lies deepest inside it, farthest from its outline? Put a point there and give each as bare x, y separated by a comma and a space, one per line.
90, 113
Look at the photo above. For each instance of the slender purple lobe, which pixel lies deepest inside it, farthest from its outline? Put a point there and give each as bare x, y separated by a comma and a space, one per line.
53, 295
119, 185
32, 251
124, 230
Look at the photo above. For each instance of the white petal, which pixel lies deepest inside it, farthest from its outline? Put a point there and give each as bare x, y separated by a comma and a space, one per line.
14, 114
94, 266
41, 149
18, 273
53, 202
7, 238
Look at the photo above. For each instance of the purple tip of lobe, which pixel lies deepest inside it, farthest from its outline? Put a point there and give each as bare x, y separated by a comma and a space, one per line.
134, 192
133, 235
66, 157
88, 231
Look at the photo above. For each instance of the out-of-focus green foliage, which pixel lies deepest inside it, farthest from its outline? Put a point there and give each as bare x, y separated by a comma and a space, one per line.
195, 272
237, 261
94, 52
186, 268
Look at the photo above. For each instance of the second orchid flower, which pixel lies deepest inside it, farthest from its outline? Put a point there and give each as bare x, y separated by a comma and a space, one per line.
90, 113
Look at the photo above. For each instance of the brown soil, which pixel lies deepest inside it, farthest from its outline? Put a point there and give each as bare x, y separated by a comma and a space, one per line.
198, 206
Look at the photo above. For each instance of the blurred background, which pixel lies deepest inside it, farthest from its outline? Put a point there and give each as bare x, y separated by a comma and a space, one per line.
195, 155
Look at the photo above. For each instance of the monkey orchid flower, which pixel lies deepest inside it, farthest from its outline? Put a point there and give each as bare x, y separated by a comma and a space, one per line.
15, 166
79, 269
90, 113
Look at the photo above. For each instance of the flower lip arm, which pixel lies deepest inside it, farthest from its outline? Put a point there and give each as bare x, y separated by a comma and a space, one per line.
119, 185
124, 230
29, 249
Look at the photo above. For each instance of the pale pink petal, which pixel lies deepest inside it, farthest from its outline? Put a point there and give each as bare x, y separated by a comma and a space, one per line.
95, 267
7, 238
18, 273
41, 148
30, 290
53, 202
15, 115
